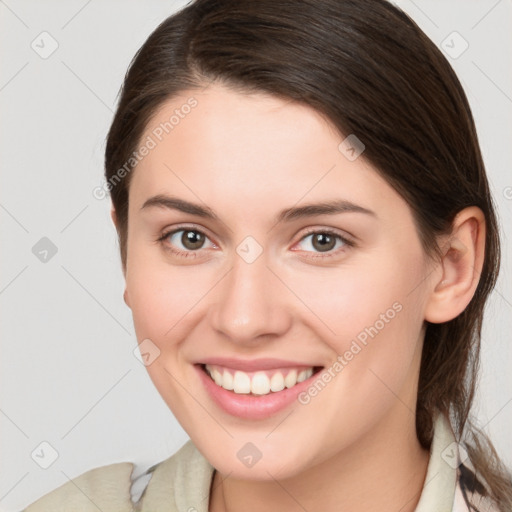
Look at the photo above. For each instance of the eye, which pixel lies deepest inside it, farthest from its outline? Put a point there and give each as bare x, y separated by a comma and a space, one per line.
325, 241
185, 241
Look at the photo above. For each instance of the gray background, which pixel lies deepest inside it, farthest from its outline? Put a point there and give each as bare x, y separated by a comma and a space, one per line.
69, 376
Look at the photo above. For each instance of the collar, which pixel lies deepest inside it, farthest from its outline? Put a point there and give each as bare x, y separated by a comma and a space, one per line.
182, 482
439, 487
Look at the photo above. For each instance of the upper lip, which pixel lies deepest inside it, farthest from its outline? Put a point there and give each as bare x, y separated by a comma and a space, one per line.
254, 364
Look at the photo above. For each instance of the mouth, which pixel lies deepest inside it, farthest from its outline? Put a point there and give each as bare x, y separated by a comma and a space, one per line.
259, 382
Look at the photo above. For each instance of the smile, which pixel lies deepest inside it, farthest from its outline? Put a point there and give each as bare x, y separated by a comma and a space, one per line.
258, 382
254, 389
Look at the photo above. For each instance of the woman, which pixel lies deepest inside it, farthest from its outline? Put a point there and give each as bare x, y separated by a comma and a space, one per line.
308, 241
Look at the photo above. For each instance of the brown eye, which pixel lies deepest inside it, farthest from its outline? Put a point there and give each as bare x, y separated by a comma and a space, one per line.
185, 241
192, 239
327, 242
323, 241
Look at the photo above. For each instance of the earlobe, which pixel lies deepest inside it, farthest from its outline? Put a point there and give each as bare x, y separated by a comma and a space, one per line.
461, 264
125, 297
113, 216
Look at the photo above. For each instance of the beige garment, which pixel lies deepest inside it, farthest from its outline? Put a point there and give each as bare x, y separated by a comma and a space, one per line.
181, 483
105, 489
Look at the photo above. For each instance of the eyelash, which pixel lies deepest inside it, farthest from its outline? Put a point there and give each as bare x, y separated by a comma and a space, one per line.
193, 254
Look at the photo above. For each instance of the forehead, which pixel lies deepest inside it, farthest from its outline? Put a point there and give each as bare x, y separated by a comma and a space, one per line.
233, 125
248, 148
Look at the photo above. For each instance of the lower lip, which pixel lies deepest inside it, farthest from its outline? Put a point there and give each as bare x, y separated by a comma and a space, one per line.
252, 407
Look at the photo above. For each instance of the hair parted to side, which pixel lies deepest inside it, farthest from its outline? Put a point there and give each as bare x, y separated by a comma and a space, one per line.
372, 72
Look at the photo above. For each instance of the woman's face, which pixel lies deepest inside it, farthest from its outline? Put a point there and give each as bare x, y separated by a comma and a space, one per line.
257, 282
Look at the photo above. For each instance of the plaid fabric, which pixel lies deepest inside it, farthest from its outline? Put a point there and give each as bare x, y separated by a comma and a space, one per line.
471, 495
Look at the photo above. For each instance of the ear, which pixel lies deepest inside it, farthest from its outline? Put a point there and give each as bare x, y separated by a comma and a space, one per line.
462, 261
113, 216
114, 220
126, 298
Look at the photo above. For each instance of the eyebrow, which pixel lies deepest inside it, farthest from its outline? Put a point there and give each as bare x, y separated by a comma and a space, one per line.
297, 212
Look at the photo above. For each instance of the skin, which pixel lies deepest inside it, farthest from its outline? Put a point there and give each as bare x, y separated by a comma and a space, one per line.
247, 157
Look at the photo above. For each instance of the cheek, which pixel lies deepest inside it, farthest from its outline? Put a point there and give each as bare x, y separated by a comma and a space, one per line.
362, 298
165, 303
163, 298
371, 317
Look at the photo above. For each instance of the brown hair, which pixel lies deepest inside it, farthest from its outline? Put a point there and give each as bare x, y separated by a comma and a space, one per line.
372, 72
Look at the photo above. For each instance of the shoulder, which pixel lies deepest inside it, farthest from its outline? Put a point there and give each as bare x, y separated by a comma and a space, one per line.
182, 478
101, 488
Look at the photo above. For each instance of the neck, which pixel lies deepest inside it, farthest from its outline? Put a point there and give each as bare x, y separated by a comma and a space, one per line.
384, 471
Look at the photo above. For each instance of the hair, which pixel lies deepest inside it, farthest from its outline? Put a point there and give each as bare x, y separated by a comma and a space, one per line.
371, 71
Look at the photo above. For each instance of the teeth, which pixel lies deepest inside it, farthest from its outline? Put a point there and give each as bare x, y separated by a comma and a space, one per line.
217, 377
303, 375
227, 381
291, 379
241, 383
258, 383
277, 382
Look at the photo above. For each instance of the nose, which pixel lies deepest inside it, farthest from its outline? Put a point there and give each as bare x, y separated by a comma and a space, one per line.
250, 304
